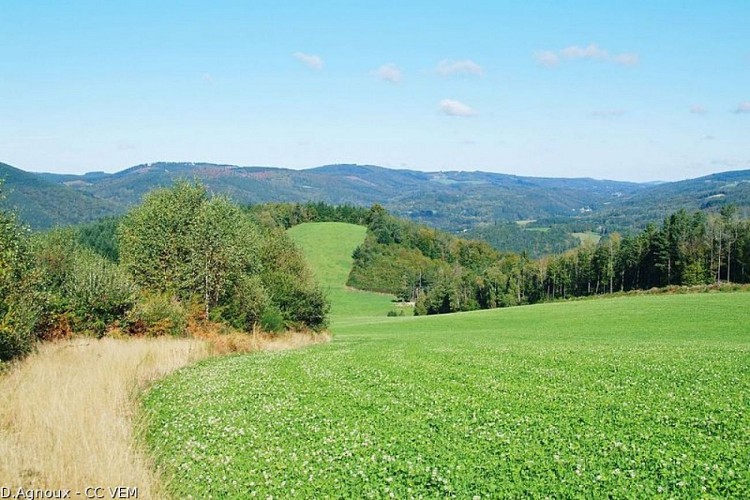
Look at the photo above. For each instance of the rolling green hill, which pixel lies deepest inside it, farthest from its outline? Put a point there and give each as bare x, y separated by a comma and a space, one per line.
328, 247
628, 397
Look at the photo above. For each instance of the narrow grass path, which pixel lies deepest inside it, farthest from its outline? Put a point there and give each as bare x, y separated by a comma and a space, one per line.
328, 248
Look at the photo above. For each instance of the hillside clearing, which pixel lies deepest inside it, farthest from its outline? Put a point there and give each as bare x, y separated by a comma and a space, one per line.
328, 248
588, 237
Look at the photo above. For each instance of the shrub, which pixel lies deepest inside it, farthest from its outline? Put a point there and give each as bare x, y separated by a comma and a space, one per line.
157, 314
301, 303
99, 292
272, 320
19, 308
80, 290
290, 283
246, 304
695, 274
18, 328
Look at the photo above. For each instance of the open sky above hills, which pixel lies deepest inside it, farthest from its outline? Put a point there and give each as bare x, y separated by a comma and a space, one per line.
632, 91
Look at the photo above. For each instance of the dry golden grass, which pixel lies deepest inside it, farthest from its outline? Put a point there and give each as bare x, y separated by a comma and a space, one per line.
67, 412
226, 341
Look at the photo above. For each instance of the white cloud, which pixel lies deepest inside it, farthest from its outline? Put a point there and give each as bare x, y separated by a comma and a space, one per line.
743, 107
697, 109
552, 58
207, 78
389, 72
310, 60
547, 58
448, 67
592, 51
452, 107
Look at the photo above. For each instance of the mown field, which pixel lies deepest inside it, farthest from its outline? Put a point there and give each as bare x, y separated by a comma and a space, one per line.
628, 397
328, 247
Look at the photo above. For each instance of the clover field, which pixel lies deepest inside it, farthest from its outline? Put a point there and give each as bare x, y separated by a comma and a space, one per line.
628, 397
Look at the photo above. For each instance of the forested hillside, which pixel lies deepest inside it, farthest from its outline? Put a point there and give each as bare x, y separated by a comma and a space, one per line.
44, 204
535, 216
443, 273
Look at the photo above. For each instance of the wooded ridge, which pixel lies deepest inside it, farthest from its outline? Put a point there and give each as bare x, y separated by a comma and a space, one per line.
454, 201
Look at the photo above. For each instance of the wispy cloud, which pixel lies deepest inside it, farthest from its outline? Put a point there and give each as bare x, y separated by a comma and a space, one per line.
552, 58
310, 60
547, 58
592, 51
698, 109
452, 107
389, 72
448, 67
207, 77
607, 113
743, 107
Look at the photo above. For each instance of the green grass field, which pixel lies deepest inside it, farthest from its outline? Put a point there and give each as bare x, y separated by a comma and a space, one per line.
588, 237
328, 248
627, 397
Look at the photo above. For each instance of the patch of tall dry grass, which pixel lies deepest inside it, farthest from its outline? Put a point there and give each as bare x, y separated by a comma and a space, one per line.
226, 341
67, 412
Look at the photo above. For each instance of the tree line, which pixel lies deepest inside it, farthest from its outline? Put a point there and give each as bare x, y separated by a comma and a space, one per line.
443, 273
181, 256
687, 249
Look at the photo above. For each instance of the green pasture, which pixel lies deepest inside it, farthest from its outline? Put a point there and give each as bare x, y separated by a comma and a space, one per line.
588, 237
633, 397
328, 248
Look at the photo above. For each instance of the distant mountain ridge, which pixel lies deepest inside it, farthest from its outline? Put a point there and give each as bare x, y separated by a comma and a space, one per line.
41, 203
453, 200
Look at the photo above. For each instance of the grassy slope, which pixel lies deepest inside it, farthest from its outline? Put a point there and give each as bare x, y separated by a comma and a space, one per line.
625, 397
328, 247
588, 236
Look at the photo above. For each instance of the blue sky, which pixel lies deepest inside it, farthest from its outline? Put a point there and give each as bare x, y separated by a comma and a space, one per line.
636, 90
